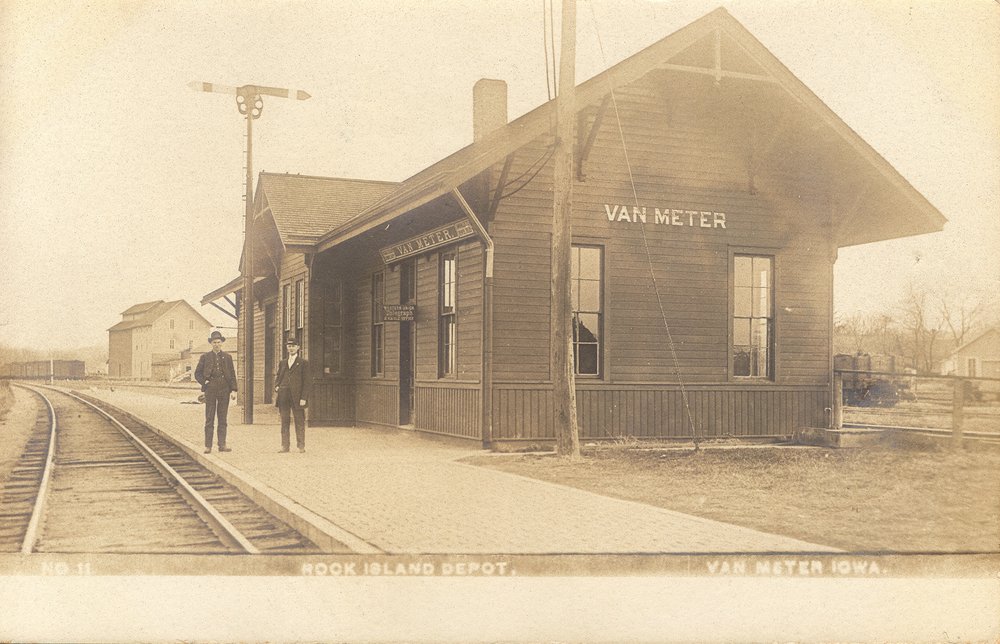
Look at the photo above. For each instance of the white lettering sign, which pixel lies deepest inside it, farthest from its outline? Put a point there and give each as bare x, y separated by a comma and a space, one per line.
665, 216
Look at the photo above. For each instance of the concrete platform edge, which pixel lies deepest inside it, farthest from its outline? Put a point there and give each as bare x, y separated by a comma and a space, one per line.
319, 530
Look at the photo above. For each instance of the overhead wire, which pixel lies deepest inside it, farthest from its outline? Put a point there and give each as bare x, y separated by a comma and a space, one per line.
645, 241
539, 162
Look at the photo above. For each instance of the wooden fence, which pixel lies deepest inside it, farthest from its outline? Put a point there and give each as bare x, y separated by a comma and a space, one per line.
933, 404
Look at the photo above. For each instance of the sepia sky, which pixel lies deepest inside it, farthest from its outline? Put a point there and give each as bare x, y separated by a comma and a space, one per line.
119, 184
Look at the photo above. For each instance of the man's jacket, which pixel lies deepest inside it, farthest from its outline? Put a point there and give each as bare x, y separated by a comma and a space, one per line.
207, 372
292, 382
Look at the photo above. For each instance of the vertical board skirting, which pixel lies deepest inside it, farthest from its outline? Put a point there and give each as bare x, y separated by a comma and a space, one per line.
378, 402
525, 412
332, 402
448, 410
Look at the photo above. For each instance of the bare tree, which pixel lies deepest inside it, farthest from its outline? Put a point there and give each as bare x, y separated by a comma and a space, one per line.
961, 313
922, 326
851, 333
875, 332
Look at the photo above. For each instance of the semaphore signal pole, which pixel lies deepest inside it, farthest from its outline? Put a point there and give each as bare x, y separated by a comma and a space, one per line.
563, 372
250, 104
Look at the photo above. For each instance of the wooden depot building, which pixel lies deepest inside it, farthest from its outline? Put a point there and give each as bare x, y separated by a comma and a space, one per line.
712, 192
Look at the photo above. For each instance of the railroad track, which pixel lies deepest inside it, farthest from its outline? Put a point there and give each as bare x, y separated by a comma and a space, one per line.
93, 479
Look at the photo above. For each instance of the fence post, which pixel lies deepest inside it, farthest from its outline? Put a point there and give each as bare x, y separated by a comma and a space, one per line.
957, 403
838, 400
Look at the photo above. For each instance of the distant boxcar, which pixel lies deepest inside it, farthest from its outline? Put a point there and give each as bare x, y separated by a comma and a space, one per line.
42, 369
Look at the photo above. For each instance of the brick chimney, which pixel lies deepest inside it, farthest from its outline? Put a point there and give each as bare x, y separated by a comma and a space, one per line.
489, 107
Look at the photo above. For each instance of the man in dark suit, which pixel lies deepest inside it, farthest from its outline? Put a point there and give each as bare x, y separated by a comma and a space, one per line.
292, 386
217, 376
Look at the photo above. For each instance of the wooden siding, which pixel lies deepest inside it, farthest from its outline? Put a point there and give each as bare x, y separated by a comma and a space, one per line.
452, 410
524, 412
258, 355
377, 399
292, 268
469, 320
680, 159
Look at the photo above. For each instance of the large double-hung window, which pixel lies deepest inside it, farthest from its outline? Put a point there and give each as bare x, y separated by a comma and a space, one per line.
378, 323
753, 316
586, 281
447, 327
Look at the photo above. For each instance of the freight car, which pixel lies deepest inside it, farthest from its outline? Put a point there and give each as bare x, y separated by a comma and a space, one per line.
43, 369
873, 380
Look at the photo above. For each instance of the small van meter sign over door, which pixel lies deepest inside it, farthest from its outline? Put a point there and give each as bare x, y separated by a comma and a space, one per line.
421, 243
665, 216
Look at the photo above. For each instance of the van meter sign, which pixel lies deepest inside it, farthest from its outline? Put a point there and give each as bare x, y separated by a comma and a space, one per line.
398, 312
427, 241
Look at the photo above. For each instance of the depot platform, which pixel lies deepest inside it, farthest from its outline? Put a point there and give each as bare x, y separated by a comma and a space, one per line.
395, 491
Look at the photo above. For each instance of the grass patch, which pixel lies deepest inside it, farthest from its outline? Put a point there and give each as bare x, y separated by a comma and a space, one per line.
889, 498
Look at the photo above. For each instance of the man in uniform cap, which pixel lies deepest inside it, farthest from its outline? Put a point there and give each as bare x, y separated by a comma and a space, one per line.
217, 376
292, 386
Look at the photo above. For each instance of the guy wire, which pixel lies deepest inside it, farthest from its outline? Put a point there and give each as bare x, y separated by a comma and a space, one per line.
645, 242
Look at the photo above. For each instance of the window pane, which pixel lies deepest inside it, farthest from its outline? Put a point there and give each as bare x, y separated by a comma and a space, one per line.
448, 284
586, 283
741, 361
742, 271
586, 359
300, 304
761, 302
761, 334
741, 301
762, 271
590, 296
590, 263
587, 327
447, 366
741, 332
286, 308
378, 297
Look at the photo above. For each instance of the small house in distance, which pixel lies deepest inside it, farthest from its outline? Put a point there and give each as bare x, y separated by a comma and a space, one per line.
151, 334
978, 358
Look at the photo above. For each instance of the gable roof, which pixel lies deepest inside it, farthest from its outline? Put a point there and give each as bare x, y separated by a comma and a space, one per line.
150, 312
304, 208
979, 337
900, 209
140, 308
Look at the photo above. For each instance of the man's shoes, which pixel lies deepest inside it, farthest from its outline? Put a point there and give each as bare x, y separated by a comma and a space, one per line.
225, 449
208, 450
282, 450
302, 450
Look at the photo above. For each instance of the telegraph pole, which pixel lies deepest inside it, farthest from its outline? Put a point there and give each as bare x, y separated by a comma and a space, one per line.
250, 104
563, 373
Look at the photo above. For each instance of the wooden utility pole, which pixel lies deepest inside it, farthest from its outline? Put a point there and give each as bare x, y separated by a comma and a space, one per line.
561, 357
250, 104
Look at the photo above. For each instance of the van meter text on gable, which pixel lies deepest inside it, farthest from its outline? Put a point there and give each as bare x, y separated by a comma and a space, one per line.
437, 237
665, 216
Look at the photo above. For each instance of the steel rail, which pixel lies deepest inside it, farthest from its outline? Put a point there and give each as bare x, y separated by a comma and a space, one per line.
207, 511
31, 535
